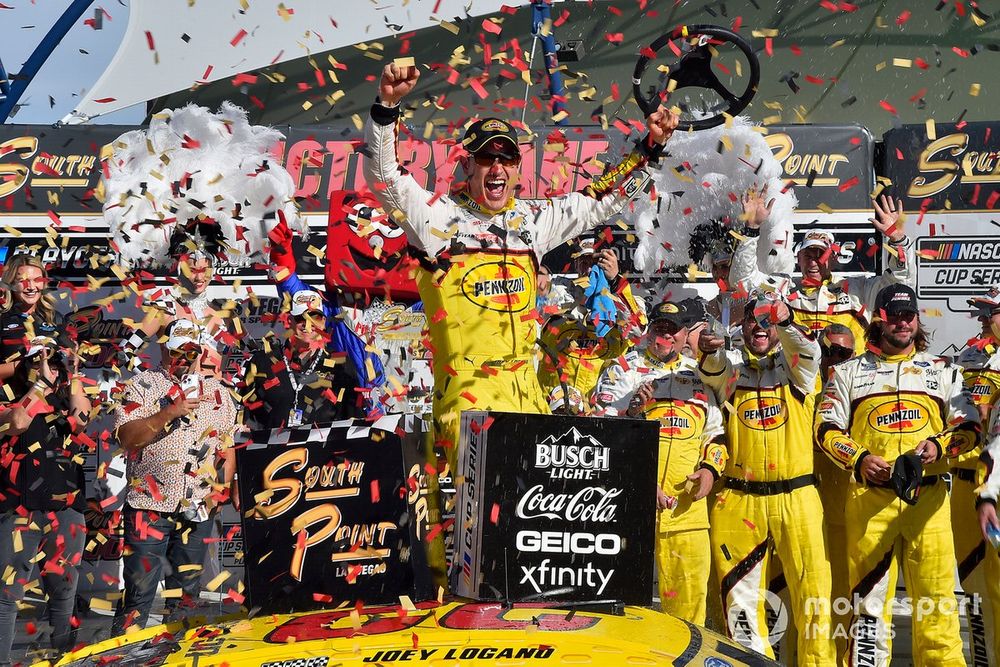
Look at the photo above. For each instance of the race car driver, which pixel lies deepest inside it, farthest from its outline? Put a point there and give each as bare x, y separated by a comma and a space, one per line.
579, 337
481, 251
978, 563
770, 499
876, 410
816, 298
660, 383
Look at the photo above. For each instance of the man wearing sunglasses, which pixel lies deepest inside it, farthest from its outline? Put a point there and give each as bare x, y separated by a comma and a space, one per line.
978, 562
312, 387
816, 297
481, 250
770, 501
173, 422
661, 383
896, 400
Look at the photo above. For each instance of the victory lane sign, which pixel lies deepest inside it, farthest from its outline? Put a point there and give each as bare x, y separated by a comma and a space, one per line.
555, 508
327, 518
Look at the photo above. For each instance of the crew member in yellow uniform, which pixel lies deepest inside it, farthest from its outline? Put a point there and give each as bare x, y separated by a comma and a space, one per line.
816, 298
770, 497
883, 416
978, 563
578, 339
660, 383
481, 251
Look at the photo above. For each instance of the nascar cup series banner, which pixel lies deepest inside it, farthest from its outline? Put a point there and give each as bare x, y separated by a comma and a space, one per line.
948, 175
332, 514
555, 508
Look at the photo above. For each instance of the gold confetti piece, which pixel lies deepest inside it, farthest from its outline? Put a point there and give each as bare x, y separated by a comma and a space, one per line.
880, 66
974, 90
931, 129
173, 592
405, 62
562, 115
902, 62
450, 27
765, 32
217, 580
358, 123
307, 105
98, 603
406, 603
10, 230
771, 120
824, 207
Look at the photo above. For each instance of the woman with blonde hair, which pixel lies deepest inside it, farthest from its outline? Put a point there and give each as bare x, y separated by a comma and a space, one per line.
31, 310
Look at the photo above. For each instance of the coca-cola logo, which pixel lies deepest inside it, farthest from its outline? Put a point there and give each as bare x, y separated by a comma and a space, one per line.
590, 503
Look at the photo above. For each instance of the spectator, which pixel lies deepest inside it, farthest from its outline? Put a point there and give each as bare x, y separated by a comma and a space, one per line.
816, 299
197, 248
979, 563
597, 324
894, 440
172, 423
43, 490
365, 365
298, 381
32, 310
770, 499
659, 383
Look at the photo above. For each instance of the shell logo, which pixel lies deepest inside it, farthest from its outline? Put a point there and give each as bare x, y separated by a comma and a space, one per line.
902, 416
500, 286
762, 413
676, 421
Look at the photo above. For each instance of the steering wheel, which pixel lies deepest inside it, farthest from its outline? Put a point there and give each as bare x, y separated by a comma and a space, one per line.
694, 69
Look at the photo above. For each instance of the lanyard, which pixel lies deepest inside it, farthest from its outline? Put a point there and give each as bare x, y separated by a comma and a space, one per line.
296, 387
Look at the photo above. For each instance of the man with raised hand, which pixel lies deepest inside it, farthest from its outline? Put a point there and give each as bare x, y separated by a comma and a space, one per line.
482, 248
816, 298
770, 502
890, 417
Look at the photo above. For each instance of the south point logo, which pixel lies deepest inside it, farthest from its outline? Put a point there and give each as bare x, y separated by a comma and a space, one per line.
572, 456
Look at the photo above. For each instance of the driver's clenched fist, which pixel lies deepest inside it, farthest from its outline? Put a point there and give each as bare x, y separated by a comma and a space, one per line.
661, 124
396, 83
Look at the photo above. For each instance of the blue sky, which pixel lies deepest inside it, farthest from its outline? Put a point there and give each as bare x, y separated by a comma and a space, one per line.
74, 66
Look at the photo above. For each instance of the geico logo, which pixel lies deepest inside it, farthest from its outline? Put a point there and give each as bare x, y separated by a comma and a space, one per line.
572, 456
552, 542
898, 417
763, 413
499, 286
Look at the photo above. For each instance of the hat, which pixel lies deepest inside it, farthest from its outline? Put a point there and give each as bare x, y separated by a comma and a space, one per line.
987, 302
907, 472
557, 400
586, 246
182, 333
492, 136
896, 299
39, 343
669, 312
815, 239
305, 301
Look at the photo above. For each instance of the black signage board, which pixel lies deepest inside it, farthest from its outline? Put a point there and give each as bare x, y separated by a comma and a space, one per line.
327, 517
955, 165
555, 508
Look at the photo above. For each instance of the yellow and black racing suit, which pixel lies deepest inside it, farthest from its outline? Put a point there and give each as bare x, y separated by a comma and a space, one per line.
885, 406
690, 434
770, 497
978, 562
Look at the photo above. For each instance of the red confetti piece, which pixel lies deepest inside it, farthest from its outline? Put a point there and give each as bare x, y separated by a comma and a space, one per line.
376, 494
795, 50
769, 46
495, 513
614, 37
105, 100
815, 79
238, 38
848, 184
491, 27
921, 63
888, 107
149, 41
903, 17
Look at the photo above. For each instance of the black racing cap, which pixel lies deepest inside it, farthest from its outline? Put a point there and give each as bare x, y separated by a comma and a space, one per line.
492, 136
907, 473
896, 299
669, 312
